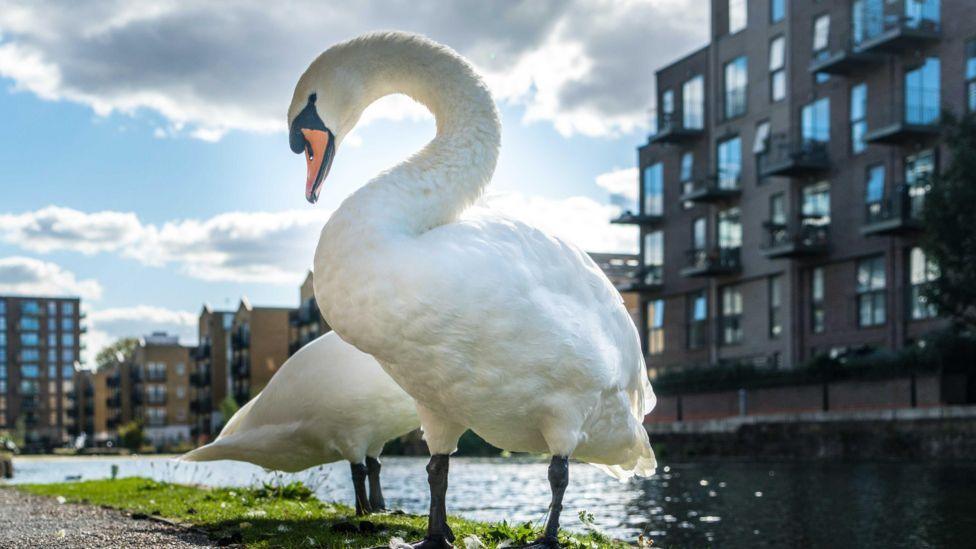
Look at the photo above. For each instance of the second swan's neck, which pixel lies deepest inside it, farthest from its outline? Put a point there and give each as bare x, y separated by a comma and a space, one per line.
435, 185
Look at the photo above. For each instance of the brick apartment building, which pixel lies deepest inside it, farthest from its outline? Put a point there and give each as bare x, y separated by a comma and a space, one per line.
780, 190
259, 339
306, 321
40, 342
211, 375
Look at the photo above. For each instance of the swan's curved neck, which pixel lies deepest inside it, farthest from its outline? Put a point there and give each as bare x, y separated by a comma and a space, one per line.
439, 182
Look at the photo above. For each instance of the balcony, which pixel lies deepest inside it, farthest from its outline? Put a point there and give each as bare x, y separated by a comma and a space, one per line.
916, 123
845, 62
800, 238
202, 351
113, 381
894, 32
793, 158
135, 374
200, 379
712, 262
712, 189
671, 129
649, 278
240, 367
242, 395
114, 402
240, 339
631, 218
304, 314
201, 407
898, 213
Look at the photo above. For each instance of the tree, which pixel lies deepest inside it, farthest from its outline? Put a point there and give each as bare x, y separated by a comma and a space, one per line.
131, 435
228, 407
110, 355
949, 218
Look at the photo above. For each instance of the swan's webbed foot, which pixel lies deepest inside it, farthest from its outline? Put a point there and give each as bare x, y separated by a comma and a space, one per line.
432, 542
359, 474
544, 542
376, 501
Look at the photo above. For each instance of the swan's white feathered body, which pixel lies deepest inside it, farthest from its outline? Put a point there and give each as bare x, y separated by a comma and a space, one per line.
488, 323
328, 402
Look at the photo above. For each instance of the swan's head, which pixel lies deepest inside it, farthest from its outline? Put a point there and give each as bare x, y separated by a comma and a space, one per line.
327, 103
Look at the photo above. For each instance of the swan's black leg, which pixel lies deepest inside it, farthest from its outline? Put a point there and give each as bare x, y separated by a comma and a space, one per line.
439, 534
376, 501
558, 480
359, 473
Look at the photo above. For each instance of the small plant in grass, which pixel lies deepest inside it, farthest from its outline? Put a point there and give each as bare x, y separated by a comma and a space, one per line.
292, 490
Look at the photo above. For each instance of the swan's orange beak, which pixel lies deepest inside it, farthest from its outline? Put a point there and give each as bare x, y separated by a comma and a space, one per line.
319, 149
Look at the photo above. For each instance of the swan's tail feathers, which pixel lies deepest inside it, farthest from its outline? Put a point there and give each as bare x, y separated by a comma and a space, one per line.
641, 462
211, 452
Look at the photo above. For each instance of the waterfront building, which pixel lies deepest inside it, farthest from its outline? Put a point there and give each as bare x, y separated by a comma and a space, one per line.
259, 339
781, 187
40, 343
306, 321
89, 408
210, 378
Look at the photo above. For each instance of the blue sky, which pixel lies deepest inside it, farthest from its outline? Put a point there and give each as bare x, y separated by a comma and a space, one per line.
153, 178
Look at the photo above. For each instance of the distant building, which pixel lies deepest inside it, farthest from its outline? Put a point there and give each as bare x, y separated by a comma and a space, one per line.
210, 378
89, 407
621, 269
40, 342
306, 321
781, 189
259, 346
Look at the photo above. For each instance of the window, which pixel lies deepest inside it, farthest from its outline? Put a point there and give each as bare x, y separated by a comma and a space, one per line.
653, 190
67, 324
156, 393
729, 229
30, 355
67, 372
815, 121
971, 75
30, 308
821, 33
698, 231
919, 169
777, 209
922, 271
737, 15
736, 82
30, 323
52, 355
816, 203
729, 163
67, 308
859, 124
67, 340
181, 393
693, 103
777, 72
761, 142
687, 175
731, 315
697, 319
29, 339
874, 190
3, 307
180, 368
67, 355
655, 327
156, 370
817, 300
653, 257
775, 306
918, 11
52, 372
777, 10
922, 93
871, 306
30, 371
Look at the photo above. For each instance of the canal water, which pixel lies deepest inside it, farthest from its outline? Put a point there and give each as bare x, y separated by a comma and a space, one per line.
719, 504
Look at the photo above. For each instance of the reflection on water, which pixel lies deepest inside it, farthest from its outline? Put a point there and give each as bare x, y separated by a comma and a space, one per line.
721, 504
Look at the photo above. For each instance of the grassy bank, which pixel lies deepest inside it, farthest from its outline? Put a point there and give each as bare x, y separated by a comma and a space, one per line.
280, 516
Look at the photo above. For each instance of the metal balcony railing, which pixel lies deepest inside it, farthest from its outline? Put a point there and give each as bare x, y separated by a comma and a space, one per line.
799, 237
899, 211
786, 157
715, 261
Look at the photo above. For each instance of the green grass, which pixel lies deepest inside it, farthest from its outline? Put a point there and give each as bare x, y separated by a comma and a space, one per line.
283, 516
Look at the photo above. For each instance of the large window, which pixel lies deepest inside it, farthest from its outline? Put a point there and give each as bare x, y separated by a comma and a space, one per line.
729, 229
817, 300
731, 315
874, 190
821, 33
922, 271
859, 124
816, 203
697, 319
693, 103
777, 209
729, 163
667, 104
687, 176
775, 306
971, 75
777, 10
653, 190
919, 169
815, 121
871, 284
653, 257
922, 93
777, 70
761, 142
919, 11
655, 327
736, 84
698, 234
737, 15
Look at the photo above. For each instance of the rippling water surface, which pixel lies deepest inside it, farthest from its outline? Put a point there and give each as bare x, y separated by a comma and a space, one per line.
719, 504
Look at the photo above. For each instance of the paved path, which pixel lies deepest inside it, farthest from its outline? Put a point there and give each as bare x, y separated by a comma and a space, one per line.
34, 521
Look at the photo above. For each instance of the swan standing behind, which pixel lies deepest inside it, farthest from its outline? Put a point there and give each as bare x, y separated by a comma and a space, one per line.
326, 403
488, 323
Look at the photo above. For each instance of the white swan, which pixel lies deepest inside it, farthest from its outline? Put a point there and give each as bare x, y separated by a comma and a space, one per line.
488, 323
326, 403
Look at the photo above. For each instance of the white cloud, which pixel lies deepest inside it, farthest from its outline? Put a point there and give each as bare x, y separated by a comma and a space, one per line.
143, 313
28, 276
622, 186
586, 66
54, 228
577, 219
